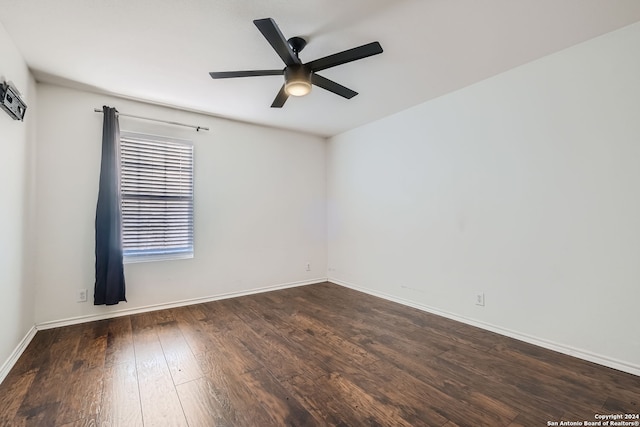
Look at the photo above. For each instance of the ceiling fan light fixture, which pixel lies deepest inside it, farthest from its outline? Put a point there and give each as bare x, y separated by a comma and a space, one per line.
297, 81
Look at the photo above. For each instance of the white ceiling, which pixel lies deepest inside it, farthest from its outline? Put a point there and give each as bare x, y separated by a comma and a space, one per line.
162, 50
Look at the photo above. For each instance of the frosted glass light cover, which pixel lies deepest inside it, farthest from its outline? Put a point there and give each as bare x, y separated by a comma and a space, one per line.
297, 88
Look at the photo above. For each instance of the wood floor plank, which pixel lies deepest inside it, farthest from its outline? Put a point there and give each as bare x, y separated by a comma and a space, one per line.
13, 391
37, 416
630, 405
38, 351
458, 390
533, 380
230, 359
517, 422
346, 300
419, 401
545, 399
200, 404
601, 380
43, 398
283, 357
158, 396
196, 325
92, 348
119, 341
237, 401
230, 353
328, 404
121, 397
331, 350
180, 359
506, 389
83, 422
193, 329
82, 397
436, 337
366, 405
283, 408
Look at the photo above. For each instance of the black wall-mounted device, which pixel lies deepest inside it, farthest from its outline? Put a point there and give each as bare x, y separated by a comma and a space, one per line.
11, 102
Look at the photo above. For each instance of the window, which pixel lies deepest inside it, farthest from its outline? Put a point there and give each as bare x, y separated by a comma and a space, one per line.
156, 180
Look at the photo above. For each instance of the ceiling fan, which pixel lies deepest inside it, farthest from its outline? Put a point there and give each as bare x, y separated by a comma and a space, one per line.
299, 77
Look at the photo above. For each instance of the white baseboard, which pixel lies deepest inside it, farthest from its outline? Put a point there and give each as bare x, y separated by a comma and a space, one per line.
16, 353
181, 303
560, 348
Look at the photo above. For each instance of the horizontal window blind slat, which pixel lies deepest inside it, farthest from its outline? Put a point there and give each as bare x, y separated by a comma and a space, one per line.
153, 166
141, 144
137, 222
169, 178
157, 155
158, 244
158, 231
161, 170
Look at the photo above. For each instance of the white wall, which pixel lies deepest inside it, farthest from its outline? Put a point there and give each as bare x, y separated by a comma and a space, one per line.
16, 139
259, 206
525, 186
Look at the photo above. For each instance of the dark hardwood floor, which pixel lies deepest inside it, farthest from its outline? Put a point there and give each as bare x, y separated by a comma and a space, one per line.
318, 355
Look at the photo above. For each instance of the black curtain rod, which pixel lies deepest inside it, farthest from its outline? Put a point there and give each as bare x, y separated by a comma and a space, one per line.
197, 128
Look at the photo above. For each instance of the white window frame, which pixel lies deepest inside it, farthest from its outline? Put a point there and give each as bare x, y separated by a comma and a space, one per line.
177, 194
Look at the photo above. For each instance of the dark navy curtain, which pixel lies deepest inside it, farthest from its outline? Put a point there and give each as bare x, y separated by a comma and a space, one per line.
109, 287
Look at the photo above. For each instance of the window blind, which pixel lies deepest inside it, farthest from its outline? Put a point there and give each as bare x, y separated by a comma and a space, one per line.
156, 181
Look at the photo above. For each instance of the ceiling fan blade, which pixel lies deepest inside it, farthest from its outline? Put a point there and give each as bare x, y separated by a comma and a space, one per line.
271, 32
281, 98
343, 57
231, 74
332, 86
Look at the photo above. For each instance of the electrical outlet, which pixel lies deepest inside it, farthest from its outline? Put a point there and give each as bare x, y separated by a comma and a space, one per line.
308, 266
480, 299
81, 296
